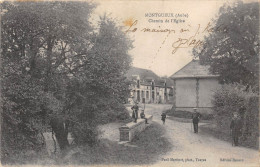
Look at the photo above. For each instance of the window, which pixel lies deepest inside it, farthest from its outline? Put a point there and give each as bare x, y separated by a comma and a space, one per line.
147, 94
138, 83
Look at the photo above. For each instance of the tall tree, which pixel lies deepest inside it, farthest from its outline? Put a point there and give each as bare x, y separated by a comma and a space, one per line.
37, 41
102, 83
232, 47
57, 70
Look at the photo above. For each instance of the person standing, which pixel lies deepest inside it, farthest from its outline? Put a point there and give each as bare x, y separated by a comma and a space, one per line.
235, 127
195, 120
163, 117
135, 109
142, 115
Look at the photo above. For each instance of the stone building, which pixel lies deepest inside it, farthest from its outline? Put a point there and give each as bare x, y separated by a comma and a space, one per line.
193, 86
147, 87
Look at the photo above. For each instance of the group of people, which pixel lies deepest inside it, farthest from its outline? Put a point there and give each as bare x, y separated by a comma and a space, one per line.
235, 126
135, 109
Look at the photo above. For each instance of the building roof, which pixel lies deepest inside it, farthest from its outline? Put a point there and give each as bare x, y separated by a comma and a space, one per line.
147, 76
143, 73
193, 70
159, 82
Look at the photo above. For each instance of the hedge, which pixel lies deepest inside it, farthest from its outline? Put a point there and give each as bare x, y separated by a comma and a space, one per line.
237, 98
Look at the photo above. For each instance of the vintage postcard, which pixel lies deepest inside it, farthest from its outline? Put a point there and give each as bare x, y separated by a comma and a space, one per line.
165, 83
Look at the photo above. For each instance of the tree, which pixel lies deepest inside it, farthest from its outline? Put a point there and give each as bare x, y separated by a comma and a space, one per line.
233, 98
37, 39
232, 47
58, 72
102, 83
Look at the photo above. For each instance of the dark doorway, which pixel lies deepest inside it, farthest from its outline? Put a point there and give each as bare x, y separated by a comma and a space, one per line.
143, 101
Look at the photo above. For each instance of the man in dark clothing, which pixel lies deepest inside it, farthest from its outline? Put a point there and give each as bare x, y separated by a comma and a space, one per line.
142, 115
135, 109
235, 128
195, 120
163, 117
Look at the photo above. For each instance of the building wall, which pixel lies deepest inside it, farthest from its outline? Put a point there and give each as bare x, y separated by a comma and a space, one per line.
144, 93
207, 87
159, 95
194, 92
185, 92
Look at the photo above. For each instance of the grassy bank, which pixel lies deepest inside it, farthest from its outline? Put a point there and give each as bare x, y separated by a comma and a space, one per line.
213, 130
187, 114
186, 120
144, 149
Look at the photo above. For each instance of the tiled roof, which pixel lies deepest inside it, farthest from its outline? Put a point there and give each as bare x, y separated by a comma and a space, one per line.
143, 73
147, 76
160, 82
193, 70
144, 82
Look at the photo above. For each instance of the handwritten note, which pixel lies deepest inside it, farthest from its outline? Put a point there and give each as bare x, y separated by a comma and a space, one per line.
180, 42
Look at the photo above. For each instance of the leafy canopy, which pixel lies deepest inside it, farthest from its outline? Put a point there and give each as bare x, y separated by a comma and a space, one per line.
232, 48
55, 65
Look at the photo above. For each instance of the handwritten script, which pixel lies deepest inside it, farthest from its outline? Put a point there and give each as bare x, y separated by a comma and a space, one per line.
190, 41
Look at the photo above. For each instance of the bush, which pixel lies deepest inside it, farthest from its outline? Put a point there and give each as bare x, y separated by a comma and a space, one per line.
237, 98
180, 114
187, 114
113, 114
84, 134
207, 116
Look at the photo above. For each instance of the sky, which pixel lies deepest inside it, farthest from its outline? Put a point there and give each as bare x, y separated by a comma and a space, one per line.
155, 50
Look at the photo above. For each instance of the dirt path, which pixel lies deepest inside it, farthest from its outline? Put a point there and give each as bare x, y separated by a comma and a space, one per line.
202, 150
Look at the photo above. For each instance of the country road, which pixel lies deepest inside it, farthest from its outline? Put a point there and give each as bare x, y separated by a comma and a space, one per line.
201, 150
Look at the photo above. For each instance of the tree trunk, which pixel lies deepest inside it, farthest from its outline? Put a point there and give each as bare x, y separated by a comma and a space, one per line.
60, 128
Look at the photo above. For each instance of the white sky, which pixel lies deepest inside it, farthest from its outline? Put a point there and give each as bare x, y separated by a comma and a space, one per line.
145, 53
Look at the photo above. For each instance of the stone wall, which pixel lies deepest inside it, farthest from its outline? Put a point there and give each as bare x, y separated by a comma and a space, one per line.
130, 130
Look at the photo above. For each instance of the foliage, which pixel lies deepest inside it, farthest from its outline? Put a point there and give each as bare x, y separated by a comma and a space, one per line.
57, 70
187, 114
118, 154
232, 47
102, 82
233, 98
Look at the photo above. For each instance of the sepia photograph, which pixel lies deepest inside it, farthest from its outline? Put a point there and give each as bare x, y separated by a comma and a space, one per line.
167, 83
